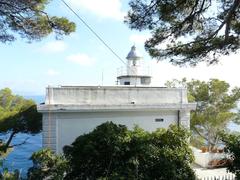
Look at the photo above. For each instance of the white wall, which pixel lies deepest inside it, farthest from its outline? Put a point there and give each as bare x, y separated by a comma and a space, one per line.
114, 95
133, 81
203, 159
71, 125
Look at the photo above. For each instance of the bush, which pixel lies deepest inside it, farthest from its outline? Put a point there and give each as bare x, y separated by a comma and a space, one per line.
47, 165
113, 152
7, 175
232, 147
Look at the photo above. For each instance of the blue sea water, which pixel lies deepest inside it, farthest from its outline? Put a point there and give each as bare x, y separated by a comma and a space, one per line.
234, 127
19, 157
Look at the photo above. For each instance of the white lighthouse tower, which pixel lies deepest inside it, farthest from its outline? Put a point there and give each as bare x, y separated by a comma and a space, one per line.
134, 73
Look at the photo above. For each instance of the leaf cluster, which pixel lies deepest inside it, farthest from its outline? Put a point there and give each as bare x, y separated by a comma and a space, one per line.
47, 165
18, 114
232, 147
187, 31
113, 152
215, 104
7, 175
30, 21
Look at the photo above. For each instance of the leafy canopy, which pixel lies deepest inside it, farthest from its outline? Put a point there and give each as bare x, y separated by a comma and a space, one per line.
17, 115
215, 104
112, 151
47, 165
187, 31
232, 146
30, 21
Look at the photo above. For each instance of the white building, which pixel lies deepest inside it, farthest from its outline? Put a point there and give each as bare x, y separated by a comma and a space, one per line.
70, 111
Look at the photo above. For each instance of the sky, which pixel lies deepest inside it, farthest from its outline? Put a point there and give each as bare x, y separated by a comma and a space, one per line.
81, 59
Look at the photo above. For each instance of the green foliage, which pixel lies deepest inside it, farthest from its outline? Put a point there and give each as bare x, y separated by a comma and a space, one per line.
215, 104
113, 152
29, 19
192, 30
4, 152
236, 120
100, 153
232, 146
6, 175
47, 165
18, 115
214, 109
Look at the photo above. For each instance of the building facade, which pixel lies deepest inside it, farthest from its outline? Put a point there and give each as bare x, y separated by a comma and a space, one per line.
70, 111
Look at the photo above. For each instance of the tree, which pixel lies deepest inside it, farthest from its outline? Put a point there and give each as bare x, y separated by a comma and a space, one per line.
215, 104
112, 151
6, 175
47, 165
232, 147
101, 153
17, 115
29, 20
192, 30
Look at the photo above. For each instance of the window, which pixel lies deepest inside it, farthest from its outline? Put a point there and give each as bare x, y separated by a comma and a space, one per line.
145, 80
127, 83
159, 120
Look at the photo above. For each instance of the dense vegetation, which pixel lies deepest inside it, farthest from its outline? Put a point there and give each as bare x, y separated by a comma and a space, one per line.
17, 115
215, 104
30, 21
47, 165
232, 147
187, 31
112, 151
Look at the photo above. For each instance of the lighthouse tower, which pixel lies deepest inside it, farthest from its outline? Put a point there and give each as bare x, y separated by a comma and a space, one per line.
134, 73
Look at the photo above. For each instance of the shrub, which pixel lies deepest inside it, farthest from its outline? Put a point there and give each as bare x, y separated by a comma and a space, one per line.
113, 152
7, 175
47, 165
232, 147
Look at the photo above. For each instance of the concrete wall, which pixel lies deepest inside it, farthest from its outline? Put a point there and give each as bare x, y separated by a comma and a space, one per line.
133, 81
49, 133
203, 159
71, 125
71, 111
115, 95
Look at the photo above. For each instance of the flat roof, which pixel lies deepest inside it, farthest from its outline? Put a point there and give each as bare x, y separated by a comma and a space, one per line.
116, 86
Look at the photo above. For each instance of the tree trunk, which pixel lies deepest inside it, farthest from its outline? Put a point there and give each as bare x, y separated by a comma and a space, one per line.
6, 146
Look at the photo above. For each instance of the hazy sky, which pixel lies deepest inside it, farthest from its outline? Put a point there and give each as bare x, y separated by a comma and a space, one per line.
80, 59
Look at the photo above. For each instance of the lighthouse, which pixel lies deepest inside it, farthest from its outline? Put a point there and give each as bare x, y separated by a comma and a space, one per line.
71, 111
134, 73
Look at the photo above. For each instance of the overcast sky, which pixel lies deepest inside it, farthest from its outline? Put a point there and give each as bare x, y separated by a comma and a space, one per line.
80, 59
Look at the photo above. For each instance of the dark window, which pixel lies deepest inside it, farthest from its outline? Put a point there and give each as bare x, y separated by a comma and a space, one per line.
159, 120
127, 83
145, 80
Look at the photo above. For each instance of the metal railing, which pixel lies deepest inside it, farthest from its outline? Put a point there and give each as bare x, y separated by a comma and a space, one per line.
222, 177
142, 70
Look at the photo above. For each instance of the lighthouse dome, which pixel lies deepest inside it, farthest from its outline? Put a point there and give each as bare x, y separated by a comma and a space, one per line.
133, 54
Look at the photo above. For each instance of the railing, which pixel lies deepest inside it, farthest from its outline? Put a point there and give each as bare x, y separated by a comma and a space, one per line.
222, 177
141, 70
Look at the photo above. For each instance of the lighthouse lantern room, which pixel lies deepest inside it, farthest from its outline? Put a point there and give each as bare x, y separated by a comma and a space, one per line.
134, 72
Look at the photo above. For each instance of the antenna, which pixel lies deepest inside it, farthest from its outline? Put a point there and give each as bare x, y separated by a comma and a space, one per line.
102, 76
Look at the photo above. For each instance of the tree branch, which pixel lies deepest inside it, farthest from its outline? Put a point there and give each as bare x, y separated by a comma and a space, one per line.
229, 16
196, 130
20, 143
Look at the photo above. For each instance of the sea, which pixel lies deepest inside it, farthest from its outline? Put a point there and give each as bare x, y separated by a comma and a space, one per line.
19, 158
